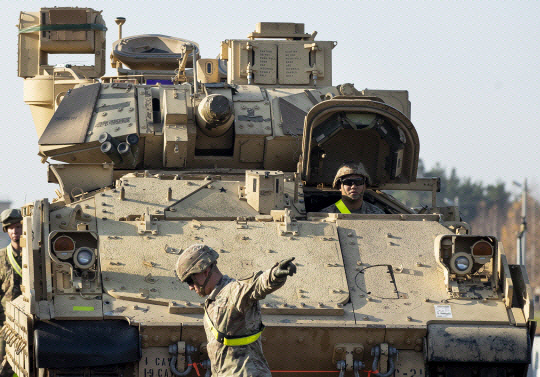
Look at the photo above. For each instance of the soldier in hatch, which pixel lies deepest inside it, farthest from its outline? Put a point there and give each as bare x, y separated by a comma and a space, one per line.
232, 319
10, 273
352, 179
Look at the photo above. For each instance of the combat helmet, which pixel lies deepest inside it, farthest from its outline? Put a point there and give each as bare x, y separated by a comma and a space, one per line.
348, 168
10, 217
195, 259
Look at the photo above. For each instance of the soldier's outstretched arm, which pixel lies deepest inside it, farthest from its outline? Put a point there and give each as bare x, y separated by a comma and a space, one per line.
272, 279
264, 283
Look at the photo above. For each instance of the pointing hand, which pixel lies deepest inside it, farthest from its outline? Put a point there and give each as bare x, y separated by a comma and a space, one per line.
285, 268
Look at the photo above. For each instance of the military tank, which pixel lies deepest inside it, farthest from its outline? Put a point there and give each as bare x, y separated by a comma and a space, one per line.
239, 152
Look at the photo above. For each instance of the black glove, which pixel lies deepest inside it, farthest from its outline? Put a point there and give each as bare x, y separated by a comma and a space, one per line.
285, 268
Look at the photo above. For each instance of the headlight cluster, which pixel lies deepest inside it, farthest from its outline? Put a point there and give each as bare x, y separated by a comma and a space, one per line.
65, 248
465, 254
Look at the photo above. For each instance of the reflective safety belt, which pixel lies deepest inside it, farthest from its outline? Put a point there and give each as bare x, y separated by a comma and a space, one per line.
232, 340
12, 260
342, 207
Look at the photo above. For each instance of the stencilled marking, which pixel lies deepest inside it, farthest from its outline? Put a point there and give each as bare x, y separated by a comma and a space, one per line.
157, 367
120, 105
443, 311
112, 122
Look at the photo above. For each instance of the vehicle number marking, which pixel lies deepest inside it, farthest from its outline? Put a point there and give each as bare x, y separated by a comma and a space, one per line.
409, 372
157, 367
155, 362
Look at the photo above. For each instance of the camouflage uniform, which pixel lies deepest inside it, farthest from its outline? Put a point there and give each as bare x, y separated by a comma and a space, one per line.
10, 281
234, 309
366, 208
353, 168
10, 288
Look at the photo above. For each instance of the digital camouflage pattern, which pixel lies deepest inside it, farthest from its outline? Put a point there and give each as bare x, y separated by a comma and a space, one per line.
233, 307
350, 168
10, 288
367, 208
195, 259
9, 217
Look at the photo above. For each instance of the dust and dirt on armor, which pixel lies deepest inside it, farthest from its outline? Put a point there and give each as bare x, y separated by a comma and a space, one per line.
10, 271
232, 319
352, 179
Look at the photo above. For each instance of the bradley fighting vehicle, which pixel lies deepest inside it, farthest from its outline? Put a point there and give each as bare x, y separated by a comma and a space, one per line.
239, 152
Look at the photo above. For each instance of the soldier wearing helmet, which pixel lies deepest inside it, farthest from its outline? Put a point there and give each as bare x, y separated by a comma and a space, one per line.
232, 319
10, 271
352, 179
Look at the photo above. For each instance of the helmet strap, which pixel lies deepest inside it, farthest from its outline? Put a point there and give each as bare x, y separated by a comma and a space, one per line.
203, 286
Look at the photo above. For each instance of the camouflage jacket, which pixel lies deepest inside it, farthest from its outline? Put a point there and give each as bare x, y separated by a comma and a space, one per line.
10, 281
367, 208
233, 307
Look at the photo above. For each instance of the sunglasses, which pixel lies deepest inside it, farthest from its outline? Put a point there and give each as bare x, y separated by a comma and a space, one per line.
189, 281
356, 181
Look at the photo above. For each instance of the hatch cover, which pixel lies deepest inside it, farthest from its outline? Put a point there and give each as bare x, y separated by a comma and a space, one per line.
70, 122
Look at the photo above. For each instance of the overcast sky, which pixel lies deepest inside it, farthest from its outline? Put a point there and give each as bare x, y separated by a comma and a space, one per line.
471, 69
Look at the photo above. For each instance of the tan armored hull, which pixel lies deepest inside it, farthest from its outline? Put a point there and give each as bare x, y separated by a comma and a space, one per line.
240, 153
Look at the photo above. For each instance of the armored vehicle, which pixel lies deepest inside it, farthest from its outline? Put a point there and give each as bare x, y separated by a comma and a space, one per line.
239, 152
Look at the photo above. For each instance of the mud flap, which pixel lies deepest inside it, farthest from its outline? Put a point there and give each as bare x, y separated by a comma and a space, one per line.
478, 344
75, 344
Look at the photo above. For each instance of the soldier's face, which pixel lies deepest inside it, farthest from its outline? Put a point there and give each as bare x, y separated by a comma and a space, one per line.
14, 232
197, 280
353, 192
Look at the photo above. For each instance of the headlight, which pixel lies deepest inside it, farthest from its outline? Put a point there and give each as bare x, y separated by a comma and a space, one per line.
461, 263
482, 251
63, 247
84, 257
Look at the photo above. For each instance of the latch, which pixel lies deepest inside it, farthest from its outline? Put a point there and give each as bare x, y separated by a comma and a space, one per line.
147, 225
287, 225
348, 354
241, 223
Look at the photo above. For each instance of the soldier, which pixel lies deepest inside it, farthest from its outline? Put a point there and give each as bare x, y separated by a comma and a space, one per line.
232, 319
10, 272
352, 179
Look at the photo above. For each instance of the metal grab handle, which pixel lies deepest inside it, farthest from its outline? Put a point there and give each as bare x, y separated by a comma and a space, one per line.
184, 373
341, 365
173, 350
207, 365
376, 352
357, 365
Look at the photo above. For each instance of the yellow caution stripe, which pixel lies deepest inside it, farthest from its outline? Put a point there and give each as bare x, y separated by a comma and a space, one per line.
232, 340
83, 309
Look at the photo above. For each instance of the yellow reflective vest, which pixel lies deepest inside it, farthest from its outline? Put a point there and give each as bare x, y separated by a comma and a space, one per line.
342, 207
